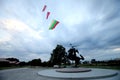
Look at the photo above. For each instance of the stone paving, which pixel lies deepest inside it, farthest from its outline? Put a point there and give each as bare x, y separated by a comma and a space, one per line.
32, 74
22, 74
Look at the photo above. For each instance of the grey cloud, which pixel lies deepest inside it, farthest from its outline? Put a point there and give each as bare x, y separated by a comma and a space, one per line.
94, 36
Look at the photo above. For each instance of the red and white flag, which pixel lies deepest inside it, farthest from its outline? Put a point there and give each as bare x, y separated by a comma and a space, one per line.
48, 13
44, 8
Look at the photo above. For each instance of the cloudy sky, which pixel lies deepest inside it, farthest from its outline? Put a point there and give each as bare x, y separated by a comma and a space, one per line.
93, 26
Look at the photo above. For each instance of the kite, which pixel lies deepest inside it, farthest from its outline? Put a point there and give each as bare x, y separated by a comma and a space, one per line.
44, 8
53, 24
48, 13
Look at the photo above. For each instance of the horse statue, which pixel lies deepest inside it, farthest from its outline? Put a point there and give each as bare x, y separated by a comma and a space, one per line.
73, 56
60, 55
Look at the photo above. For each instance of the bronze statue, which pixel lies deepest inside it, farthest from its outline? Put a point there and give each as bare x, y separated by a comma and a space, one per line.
72, 55
59, 55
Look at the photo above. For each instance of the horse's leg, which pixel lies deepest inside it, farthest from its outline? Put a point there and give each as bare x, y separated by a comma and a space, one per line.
77, 61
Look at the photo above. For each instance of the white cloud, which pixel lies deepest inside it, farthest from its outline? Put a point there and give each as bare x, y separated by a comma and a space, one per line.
116, 49
17, 34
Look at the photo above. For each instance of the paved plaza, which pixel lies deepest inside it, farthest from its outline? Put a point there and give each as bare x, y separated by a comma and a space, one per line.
32, 74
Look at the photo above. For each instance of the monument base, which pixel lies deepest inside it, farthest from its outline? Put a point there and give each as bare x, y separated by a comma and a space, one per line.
73, 70
82, 73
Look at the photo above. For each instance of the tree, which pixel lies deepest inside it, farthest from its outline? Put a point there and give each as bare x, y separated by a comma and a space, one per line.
93, 61
22, 63
35, 62
58, 55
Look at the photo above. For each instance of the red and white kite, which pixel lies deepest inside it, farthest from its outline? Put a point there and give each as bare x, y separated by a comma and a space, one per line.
48, 13
44, 8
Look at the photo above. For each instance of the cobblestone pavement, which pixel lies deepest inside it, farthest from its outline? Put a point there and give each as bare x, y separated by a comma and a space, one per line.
30, 74
22, 74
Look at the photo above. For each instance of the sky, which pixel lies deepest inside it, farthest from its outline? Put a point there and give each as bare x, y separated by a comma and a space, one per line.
93, 26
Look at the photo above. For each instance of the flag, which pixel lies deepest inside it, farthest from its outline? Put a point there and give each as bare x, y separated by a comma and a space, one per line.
44, 8
48, 13
53, 24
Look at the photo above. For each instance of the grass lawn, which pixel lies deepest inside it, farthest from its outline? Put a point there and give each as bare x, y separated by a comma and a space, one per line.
103, 67
11, 67
86, 66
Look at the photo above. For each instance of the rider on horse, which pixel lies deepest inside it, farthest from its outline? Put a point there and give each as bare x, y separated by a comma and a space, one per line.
72, 55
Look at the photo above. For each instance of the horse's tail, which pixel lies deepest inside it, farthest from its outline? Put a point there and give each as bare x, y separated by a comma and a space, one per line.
82, 57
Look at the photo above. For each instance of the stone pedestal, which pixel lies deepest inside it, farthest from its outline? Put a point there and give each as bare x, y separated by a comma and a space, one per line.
79, 73
73, 70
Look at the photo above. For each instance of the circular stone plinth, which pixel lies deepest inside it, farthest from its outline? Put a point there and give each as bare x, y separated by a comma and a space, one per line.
73, 70
93, 74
